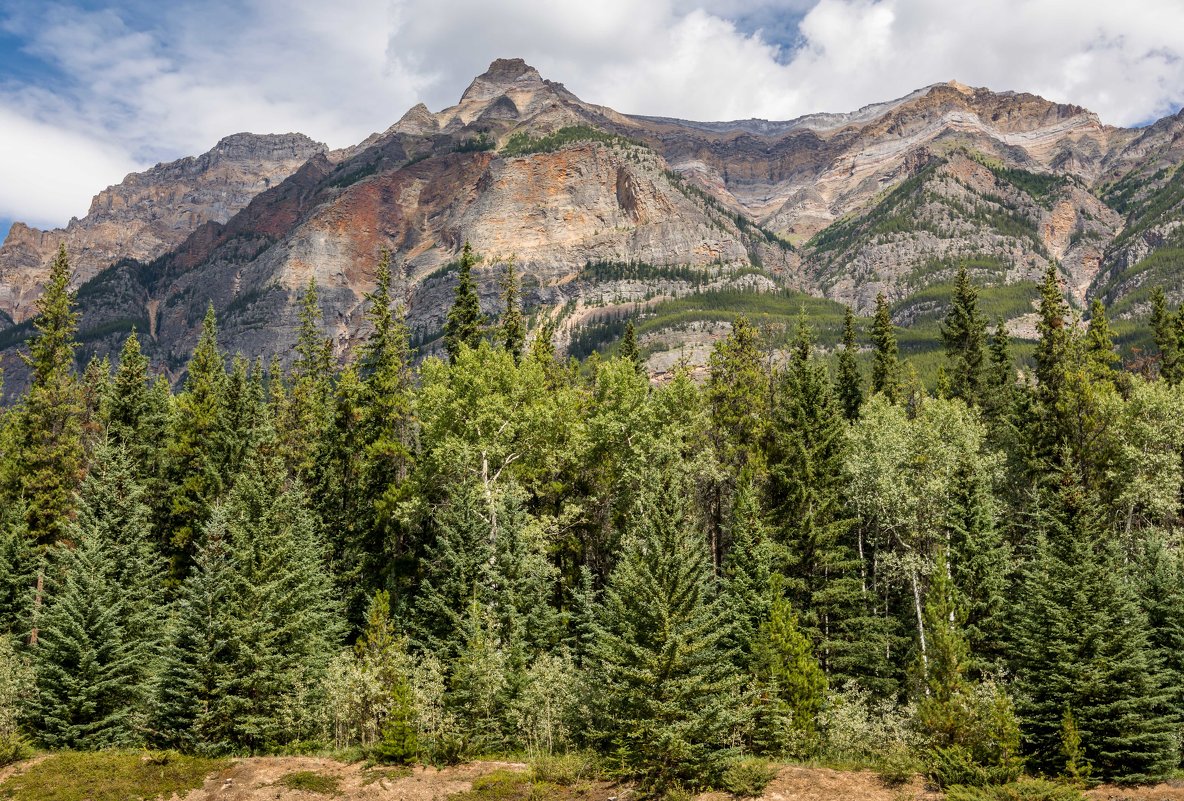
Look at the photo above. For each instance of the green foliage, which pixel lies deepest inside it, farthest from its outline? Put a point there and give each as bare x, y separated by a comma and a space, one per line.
522, 143
1023, 790
660, 690
964, 334
109, 776
309, 781
747, 778
475, 144
465, 320
50, 460
885, 367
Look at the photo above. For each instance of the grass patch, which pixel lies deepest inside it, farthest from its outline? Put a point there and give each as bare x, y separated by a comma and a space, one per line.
110, 776
310, 781
374, 774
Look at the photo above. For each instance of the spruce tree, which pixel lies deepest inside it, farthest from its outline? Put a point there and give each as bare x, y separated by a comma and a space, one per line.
284, 623
198, 449
786, 665
513, 329
964, 334
138, 414
1099, 344
850, 385
463, 326
375, 545
662, 689
1161, 570
198, 657
1082, 644
747, 572
90, 657
18, 569
1166, 341
628, 349
886, 362
806, 453
50, 459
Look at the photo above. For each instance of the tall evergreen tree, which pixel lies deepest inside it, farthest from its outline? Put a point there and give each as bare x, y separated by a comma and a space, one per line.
463, 326
1099, 344
197, 450
1166, 341
101, 628
1082, 644
138, 413
662, 690
51, 455
513, 329
786, 665
628, 349
886, 362
1161, 569
198, 654
806, 452
850, 384
964, 334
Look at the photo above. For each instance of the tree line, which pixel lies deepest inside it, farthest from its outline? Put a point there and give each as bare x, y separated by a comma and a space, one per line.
503, 551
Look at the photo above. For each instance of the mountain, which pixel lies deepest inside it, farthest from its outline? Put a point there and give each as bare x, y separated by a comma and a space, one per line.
682, 224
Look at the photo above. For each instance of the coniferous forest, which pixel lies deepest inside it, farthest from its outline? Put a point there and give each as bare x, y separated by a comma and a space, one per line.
506, 552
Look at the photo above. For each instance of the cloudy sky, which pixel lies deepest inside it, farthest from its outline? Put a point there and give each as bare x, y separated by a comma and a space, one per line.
90, 91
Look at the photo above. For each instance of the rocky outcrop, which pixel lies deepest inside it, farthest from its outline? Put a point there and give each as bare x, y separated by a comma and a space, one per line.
150, 213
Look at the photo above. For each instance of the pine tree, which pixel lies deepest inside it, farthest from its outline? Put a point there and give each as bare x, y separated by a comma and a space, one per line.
1083, 645
1052, 351
787, 666
806, 453
1166, 341
463, 326
197, 449
964, 334
886, 362
513, 330
89, 666
138, 413
979, 565
999, 383
284, 624
51, 455
661, 686
310, 407
747, 571
628, 349
737, 392
199, 649
850, 384
1099, 344
1162, 595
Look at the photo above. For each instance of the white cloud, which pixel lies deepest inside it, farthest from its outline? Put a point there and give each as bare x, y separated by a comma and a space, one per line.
43, 168
139, 82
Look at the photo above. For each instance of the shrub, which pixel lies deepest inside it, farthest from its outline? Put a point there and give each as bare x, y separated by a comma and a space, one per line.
564, 769
312, 782
13, 748
1023, 790
747, 777
856, 728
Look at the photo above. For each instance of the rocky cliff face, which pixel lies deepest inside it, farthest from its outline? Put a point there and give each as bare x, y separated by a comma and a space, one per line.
607, 215
150, 213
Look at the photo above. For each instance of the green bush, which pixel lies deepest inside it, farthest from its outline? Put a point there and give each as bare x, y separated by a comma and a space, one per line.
747, 777
898, 767
13, 748
1023, 790
312, 782
948, 767
564, 769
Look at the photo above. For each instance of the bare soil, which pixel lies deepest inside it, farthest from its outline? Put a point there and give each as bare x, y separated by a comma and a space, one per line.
259, 779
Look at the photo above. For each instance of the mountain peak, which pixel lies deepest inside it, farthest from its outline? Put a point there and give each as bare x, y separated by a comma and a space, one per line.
502, 75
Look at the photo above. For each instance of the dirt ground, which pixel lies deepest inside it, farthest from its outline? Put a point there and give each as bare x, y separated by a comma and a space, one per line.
1170, 791
258, 779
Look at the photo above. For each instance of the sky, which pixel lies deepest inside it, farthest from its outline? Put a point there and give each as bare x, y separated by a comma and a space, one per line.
90, 91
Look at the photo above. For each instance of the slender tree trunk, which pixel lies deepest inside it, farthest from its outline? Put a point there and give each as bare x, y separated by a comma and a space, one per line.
920, 622
37, 605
